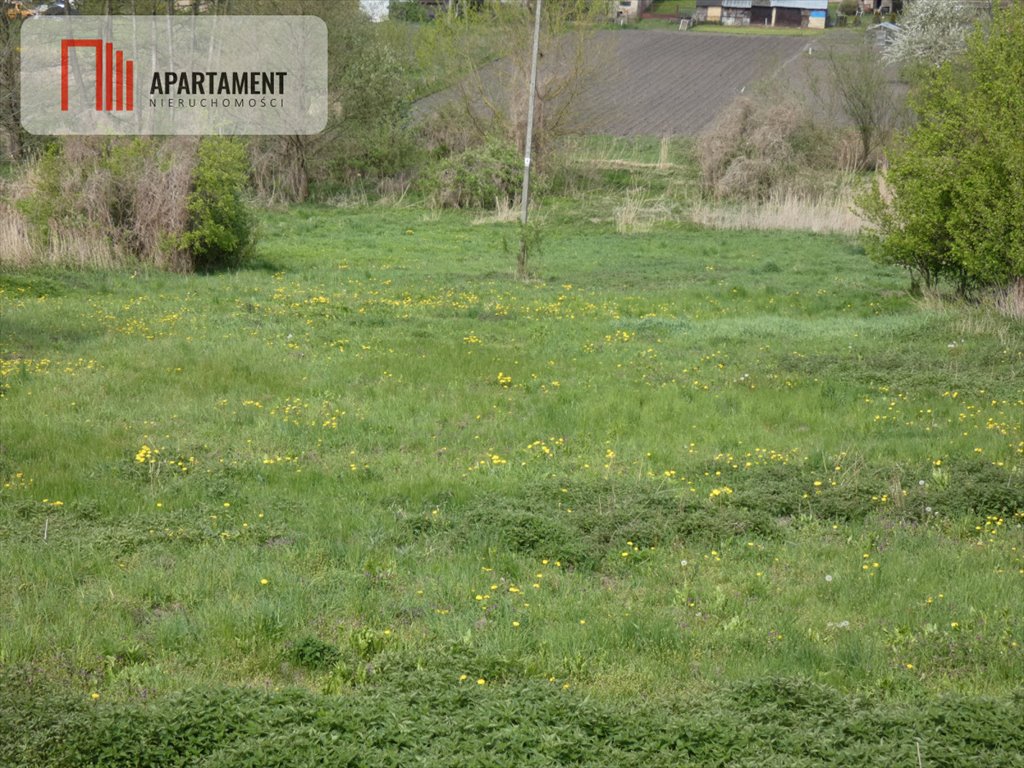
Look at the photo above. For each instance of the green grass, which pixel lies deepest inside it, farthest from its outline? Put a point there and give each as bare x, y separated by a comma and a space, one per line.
739, 477
673, 6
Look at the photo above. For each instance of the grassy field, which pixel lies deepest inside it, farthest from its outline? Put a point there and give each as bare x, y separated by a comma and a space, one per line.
672, 6
688, 498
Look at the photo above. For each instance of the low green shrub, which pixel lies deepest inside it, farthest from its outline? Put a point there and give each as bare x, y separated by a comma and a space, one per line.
953, 201
480, 177
221, 228
407, 10
313, 653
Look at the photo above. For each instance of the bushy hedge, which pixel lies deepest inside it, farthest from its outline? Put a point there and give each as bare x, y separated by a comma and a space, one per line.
221, 229
480, 177
952, 206
176, 203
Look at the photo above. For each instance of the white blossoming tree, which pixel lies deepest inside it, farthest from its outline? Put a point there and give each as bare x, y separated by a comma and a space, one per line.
932, 31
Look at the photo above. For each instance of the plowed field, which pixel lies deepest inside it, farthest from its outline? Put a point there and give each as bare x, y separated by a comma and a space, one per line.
676, 82
654, 82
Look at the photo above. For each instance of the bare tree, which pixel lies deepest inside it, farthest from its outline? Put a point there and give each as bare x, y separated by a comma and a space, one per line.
10, 102
494, 98
367, 98
867, 97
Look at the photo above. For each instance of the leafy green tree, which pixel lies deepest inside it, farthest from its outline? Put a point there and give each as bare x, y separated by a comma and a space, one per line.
369, 96
221, 228
494, 100
952, 205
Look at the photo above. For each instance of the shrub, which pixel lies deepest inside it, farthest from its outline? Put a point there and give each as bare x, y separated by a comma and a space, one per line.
476, 178
367, 135
220, 226
954, 200
106, 202
408, 10
176, 203
313, 653
40, 207
865, 95
759, 145
932, 31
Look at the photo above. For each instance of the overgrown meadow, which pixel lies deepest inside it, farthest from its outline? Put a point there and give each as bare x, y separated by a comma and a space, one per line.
687, 498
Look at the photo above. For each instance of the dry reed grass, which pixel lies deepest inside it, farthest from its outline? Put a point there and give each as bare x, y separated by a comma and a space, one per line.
67, 246
639, 212
1010, 300
392, 190
831, 213
102, 219
505, 211
663, 153
82, 248
15, 246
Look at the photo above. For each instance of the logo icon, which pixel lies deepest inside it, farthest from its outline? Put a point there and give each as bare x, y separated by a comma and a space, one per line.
115, 75
183, 75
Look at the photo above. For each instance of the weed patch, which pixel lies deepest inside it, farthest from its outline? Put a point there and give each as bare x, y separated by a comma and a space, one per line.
772, 721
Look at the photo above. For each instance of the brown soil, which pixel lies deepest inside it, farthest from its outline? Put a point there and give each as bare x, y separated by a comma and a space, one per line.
675, 83
665, 82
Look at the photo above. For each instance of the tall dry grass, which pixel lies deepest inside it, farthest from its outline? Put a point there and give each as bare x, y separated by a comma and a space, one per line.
101, 218
826, 213
1010, 300
505, 211
67, 246
639, 212
15, 247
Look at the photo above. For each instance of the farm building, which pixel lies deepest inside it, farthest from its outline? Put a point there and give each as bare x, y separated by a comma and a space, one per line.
809, 14
879, 6
736, 12
629, 10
